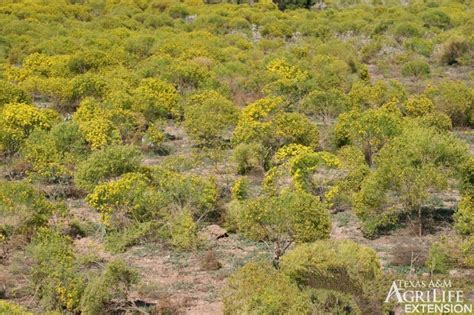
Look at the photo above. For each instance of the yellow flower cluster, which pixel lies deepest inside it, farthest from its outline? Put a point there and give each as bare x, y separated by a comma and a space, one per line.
286, 71
17, 120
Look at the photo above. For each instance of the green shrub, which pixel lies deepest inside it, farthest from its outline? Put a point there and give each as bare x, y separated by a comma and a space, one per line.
407, 29
248, 156
444, 255
436, 120
210, 121
129, 198
109, 289
419, 45
8, 308
240, 189
341, 266
117, 241
10, 93
456, 51
18, 120
183, 231
418, 105
289, 217
23, 210
455, 99
198, 194
257, 288
55, 275
436, 18
106, 164
464, 216
325, 104
416, 68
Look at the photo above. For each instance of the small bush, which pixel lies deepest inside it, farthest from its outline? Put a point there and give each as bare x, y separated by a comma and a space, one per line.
183, 231
436, 18
10, 93
455, 51
417, 106
55, 275
248, 156
22, 209
407, 29
464, 216
8, 308
210, 121
108, 290
258, 288
416, 68
106, 164
18, 120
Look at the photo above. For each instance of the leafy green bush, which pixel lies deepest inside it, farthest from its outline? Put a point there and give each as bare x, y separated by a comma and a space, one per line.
436, 18
419, 45
209, 118
183, 231
198, 194
131, 197
109, 289
368, 130
23, 210
248, 156
106, 164
325, 104
341, 266
156, 99
8, 308
55, 275
455, 99
456, 51
283, 219
399, 171
10, 93
258, 288
416, 68
464, 216
265, 123
407, 29
417, 106
444, 255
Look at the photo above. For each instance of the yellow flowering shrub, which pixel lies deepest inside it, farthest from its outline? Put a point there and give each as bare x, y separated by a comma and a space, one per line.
9, 93
254, 123
55, 276
417, 106
363, 95
156, 99
97, 125
183, 231
264, 122
131, 196
368, 130
106, 164
292, 216
18, 120
298, 163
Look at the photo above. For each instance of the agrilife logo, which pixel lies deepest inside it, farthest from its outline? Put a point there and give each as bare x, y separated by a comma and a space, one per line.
428, 297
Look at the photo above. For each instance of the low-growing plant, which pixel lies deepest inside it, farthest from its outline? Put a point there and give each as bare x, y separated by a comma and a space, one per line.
416, 68
107, 164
